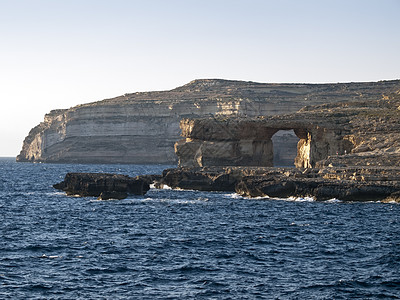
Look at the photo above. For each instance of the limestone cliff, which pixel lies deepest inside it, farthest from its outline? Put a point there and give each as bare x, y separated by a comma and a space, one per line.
358, 133
143, 127
348, 151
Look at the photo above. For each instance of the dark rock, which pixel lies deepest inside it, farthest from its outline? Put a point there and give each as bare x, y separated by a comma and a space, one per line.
150, 179
256, 187
94, 184
198, 179
112, 195
352, 191
347, 184
318, 188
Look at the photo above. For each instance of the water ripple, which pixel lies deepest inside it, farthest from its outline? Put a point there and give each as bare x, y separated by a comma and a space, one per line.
187, 244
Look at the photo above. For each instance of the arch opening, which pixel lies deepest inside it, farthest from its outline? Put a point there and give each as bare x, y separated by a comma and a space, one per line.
284, 145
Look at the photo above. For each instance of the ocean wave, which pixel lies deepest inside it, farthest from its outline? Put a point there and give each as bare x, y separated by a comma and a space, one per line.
164, 187
180, 244
290, 199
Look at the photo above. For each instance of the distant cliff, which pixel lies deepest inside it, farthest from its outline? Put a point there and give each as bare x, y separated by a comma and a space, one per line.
142, 128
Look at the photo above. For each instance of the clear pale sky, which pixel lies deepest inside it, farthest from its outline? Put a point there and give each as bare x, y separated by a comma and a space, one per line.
57, 54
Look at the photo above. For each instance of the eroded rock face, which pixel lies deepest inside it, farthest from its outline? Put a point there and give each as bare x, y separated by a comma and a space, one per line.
143, 127
362, 133
224, 142
102, 185
347, 184
199, 179
348, 151
247, 142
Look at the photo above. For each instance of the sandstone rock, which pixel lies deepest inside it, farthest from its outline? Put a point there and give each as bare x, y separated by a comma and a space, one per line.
394, 197
103, 185
247, 141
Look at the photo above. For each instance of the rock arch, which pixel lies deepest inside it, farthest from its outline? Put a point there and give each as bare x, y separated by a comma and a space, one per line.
303, 154
227, 142
284, 144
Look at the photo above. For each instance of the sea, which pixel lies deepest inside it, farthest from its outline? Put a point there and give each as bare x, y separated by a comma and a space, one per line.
183, 244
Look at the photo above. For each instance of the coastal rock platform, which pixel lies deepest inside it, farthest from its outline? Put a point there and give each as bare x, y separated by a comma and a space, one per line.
347, 184
102, 185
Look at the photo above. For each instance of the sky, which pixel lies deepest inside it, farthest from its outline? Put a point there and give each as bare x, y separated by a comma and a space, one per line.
58, 54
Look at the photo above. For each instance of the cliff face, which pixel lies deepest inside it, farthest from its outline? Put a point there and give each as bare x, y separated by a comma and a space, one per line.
143, 127
248, 142
360, 133
348, 151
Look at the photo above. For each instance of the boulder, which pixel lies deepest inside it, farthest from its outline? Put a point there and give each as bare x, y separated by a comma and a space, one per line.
199, 179
103, 185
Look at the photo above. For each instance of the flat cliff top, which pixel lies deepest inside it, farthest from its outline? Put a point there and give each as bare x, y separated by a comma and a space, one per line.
203, 89
361, 115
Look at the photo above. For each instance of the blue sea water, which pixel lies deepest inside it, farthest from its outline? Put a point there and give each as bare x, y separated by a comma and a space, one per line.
173, 244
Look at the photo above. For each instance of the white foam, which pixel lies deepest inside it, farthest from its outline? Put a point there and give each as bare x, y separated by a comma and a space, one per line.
56, 194
291, 199
50, 256
300, 199
389, 202
234, 196
164, 187
333, 200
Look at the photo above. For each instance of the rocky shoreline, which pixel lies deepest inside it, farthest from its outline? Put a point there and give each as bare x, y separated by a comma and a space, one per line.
102, 185
348, 151
355, 184
360, 184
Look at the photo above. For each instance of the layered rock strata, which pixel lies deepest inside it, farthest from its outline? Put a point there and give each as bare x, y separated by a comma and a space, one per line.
248, 142
349, 151
362, 133
143, 127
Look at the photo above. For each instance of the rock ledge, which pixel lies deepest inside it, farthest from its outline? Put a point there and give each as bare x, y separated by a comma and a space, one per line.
102, 185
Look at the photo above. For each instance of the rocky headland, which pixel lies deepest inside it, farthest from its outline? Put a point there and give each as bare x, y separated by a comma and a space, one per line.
346, 150
341, 134
142, 128
343, 140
